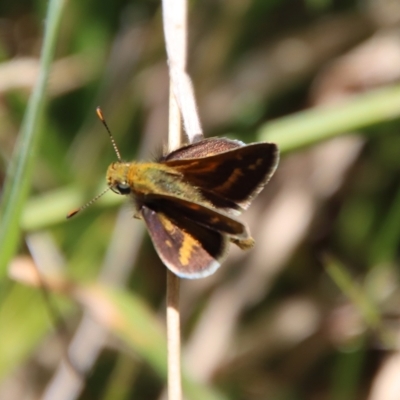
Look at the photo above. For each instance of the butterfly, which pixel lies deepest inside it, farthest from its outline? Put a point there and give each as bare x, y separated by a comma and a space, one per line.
190, 198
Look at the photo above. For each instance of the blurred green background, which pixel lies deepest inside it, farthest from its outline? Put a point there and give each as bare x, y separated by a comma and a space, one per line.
312, 311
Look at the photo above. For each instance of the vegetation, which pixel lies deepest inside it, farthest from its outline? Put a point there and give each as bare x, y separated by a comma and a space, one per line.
311, 312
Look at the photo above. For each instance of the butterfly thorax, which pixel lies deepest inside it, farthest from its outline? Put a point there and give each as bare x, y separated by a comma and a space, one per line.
143, 180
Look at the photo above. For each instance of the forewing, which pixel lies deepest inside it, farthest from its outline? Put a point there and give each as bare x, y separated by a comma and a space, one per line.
189, 250
203, 148
235, 176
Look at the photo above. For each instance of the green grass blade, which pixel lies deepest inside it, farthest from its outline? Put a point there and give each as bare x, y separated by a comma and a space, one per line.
312, 126
17, 185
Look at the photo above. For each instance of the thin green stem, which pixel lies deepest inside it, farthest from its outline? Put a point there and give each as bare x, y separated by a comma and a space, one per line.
385, 244
354, 292
19, 174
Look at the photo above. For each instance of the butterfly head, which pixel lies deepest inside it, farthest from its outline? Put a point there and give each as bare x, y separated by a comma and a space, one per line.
117, 178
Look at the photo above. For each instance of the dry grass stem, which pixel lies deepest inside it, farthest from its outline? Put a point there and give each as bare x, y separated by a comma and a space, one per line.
182, 105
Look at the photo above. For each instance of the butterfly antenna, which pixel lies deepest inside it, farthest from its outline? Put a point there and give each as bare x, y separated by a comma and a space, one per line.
89, 203
101, 117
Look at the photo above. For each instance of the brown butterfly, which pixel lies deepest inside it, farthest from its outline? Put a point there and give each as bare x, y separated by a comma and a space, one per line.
189, 198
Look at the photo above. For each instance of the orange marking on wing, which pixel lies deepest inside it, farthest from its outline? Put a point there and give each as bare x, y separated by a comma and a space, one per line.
237, 172
186, 250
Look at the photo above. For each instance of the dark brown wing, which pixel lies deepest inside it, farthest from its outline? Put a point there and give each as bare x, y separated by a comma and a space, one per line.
236, 175
203, 148
189, 250
177, 209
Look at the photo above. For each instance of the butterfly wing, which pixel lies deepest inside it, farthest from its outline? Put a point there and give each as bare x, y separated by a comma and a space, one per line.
203, 148
232, 178
177, 208
188, 249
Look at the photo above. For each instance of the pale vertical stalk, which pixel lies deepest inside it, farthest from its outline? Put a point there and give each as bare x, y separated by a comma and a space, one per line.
174, 122
173, 281
182, 107
173, 337
174, 27
175, 31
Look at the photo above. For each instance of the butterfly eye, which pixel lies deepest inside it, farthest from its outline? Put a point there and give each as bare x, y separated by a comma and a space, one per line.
123, 188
